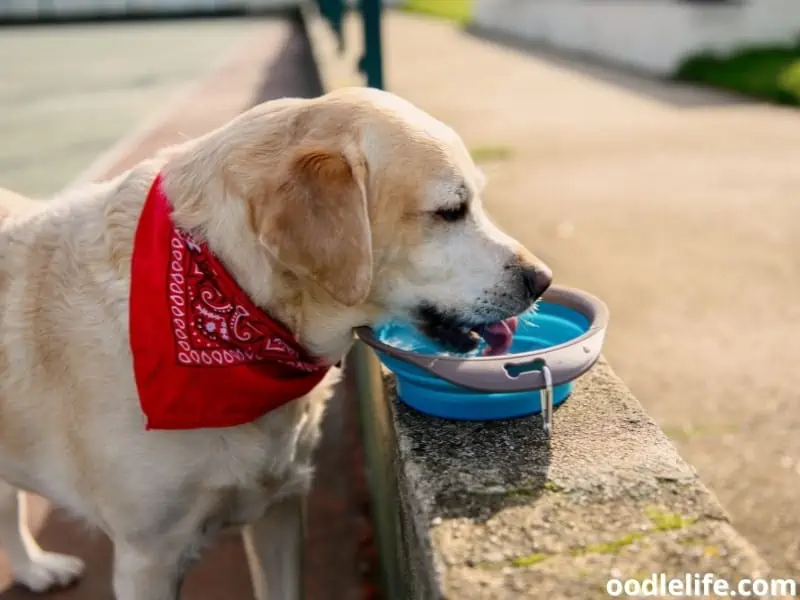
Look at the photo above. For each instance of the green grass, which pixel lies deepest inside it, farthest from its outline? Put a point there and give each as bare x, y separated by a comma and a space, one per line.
458, 11
768, 73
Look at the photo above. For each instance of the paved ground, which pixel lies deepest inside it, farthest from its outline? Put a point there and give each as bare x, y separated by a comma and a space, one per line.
118, 81
69, 93
680, 208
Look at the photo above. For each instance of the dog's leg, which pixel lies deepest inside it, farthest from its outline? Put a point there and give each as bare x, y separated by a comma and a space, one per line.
274, 547
154, 573
31, 566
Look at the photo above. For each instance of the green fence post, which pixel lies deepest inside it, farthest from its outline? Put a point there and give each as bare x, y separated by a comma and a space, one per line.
372, 60
333, 11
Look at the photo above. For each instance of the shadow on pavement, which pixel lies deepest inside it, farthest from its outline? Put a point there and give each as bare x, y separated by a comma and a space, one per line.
292, 73
672, 93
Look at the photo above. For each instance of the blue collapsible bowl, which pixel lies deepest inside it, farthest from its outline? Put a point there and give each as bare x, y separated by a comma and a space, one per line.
565, 334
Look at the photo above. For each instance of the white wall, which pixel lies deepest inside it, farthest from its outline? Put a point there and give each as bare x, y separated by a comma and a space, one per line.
655, 35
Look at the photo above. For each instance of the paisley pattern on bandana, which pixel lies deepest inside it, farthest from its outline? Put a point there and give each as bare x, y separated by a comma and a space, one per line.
213, 327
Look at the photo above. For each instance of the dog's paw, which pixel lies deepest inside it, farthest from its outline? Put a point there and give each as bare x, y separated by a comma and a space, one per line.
48, 570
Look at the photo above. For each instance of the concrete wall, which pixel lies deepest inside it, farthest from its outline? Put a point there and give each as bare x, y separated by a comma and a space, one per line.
654, 35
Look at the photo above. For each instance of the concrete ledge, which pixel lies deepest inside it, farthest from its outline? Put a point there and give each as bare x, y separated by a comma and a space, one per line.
493, 511
497, 512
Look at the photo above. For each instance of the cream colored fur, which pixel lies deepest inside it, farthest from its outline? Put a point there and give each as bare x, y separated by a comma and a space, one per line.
368, 171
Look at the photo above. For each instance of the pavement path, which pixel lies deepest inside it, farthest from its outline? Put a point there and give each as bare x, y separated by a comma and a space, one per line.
68, 93
677, 206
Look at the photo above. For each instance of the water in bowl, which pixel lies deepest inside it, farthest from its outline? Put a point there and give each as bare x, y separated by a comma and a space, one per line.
545, 325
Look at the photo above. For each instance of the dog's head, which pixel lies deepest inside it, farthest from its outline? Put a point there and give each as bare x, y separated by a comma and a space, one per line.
374, 208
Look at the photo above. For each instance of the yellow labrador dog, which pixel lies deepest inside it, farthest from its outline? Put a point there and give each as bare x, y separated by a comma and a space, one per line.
303, 219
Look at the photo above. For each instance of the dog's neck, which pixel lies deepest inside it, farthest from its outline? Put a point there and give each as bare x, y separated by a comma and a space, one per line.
201, 204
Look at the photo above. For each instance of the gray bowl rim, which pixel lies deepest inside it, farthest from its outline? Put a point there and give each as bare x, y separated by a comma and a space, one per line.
566, 361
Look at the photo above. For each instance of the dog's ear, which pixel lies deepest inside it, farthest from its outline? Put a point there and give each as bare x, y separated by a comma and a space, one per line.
317, 224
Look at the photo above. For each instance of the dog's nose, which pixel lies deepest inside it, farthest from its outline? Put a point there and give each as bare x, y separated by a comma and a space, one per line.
537, 279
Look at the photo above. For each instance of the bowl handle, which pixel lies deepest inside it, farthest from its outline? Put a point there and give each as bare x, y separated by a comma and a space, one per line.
522, 373
502, 374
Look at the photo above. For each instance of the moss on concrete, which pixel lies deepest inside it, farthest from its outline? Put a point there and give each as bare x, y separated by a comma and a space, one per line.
552, 487
532, 490
612, 547
667, 521
530, 560
523, 492
661, 521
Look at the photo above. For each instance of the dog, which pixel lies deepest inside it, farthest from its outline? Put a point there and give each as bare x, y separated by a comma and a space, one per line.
325, 214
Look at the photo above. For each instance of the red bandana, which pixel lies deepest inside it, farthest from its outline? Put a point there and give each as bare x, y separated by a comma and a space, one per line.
204, 355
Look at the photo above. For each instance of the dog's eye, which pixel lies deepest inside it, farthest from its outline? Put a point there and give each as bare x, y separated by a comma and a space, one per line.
454, 213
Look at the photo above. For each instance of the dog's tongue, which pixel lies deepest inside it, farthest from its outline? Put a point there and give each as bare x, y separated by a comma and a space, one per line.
498, 336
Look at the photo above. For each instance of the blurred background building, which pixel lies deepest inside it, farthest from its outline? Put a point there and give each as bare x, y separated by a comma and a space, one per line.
653, 35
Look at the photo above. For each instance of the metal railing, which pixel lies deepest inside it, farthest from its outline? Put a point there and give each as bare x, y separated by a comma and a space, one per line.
371, 63
374, 415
